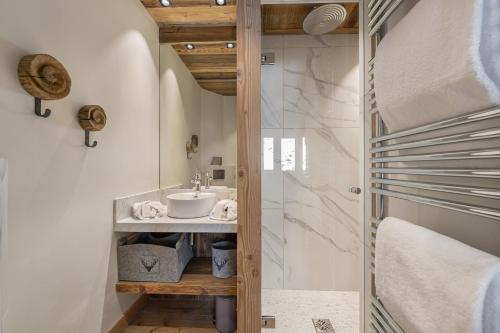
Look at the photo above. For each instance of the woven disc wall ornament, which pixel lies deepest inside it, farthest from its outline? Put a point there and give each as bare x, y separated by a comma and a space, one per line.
92, 118
42, 76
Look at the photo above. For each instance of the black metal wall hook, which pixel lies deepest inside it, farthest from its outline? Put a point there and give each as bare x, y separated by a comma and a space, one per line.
38, 109
87, 140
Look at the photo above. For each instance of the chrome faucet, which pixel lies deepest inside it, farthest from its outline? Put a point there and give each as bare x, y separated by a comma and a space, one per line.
208, 180
197, 181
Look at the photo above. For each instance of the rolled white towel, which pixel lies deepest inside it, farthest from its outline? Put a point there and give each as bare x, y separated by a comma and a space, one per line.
149, 209
225, 210
431, 283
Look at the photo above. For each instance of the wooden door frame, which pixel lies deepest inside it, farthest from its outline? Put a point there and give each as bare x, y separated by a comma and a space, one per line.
249, 167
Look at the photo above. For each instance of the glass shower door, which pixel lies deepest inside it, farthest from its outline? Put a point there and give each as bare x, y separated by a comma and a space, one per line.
311, 141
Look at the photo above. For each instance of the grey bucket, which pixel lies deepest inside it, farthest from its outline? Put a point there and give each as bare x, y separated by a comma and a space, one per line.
225, 314
224, 259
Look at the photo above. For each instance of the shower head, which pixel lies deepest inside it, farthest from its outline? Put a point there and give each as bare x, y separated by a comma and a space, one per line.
324, 19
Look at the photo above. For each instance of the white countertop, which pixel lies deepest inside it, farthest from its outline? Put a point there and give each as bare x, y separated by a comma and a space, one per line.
168, 224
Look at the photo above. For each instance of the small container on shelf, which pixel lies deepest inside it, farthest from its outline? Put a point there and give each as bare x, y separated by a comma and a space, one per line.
153, 257
224, 259
225, 314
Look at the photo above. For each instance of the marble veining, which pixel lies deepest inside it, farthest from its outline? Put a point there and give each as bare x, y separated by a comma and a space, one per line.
307, 41
272, 174
272, 91
273, 248
311, 232
321, 215
315, 95
325, 203
308, 228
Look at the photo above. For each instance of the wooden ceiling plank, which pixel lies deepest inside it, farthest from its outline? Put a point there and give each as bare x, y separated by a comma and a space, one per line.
219, 85
179, 34
205, 69
210, 27
288, 19
208, 81
284, 17
352, 15
221, 59
227, 87
207, 16
215, 76
204, 49
184, 3
176, 3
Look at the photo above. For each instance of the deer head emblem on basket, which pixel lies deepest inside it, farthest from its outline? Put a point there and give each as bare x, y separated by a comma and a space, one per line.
149, 262
220, 263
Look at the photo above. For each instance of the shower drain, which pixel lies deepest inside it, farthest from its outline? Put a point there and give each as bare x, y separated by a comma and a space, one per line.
323, 326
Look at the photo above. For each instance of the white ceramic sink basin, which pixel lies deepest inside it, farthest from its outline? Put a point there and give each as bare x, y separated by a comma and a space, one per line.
188, 205
215, 188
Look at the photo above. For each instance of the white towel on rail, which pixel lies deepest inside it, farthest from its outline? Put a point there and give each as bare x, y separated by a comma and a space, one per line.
441, 60
431, 283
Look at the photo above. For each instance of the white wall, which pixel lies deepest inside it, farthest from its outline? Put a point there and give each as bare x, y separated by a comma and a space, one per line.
218, 134
62, 260
3, 239
180, 106
187, 109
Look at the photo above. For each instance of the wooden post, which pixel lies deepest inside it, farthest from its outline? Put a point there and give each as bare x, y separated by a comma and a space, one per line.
249, 174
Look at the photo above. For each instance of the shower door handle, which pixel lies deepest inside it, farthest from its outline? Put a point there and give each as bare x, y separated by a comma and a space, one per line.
355, 190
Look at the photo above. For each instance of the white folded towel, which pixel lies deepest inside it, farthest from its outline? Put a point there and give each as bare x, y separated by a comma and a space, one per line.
441, 60
149, 209
431, 283
225, 210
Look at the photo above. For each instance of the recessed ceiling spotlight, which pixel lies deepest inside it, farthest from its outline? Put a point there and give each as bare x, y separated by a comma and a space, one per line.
230, 45
165, 3
189, 46
220, 2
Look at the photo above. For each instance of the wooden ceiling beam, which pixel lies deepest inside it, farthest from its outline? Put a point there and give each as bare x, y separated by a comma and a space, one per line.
179, 34
225, 59
223, 87
215, 76
352, 19
288, 19
211, 69
195, 16
184, 3
217, 81
206, 49
209, 28
347, 30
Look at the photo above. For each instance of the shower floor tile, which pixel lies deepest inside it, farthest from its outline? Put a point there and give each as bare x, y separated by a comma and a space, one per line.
295, 309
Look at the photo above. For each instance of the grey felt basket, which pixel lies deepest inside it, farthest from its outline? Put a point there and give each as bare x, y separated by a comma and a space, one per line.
152, 262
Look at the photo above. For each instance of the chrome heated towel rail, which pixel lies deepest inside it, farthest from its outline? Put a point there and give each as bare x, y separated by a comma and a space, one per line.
393, 160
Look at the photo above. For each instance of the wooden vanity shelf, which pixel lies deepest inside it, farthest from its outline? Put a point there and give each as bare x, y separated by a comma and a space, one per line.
174, 314
196, 280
